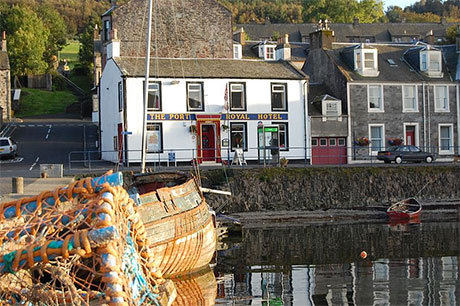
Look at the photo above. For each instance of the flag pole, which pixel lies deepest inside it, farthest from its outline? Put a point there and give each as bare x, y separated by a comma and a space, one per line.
146, 86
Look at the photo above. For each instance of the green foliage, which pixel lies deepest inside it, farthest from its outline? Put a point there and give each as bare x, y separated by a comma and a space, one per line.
75, 13
27, 40
57, 38
86, 50
451, 34
343, 11
38, 102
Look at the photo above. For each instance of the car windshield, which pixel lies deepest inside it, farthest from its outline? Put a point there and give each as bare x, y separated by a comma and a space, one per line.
4, 142
393, 148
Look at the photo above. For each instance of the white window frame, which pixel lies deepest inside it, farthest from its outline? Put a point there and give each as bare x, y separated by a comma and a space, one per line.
409, 110
201, 91
360, 62
154, 133
283, 93
237, 51
269, 53
375, 110
150, 109
426, 61
435, 92
243, 96
451, 139
382, 126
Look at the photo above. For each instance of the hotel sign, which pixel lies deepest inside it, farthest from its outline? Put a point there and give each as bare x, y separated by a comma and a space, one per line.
229, 116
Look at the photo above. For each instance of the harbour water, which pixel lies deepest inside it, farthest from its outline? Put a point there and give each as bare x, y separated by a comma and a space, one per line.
321, 264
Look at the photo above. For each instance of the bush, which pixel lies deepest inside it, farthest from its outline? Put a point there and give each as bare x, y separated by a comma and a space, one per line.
58, 83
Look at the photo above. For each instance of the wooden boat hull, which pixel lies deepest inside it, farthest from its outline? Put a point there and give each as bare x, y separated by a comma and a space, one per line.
407, 209
180, 227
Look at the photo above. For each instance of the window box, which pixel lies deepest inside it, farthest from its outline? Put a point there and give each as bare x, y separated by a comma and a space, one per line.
362, 141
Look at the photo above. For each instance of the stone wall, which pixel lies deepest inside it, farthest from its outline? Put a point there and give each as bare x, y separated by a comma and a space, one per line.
180, 29
5, 94
329, 188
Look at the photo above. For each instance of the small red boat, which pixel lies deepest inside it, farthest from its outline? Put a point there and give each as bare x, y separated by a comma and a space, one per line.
406, 209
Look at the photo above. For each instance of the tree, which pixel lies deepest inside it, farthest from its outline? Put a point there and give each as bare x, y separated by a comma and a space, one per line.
451, 34
86, 51
57, 38
394, 14
27, 40
343, 11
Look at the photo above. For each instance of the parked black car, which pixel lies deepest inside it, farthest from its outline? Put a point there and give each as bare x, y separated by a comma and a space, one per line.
398, 154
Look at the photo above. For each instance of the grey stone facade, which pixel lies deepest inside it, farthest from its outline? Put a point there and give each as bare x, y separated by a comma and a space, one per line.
180, 29
394, 118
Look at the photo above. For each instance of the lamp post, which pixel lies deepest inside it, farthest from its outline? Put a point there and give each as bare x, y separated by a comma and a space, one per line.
146, 86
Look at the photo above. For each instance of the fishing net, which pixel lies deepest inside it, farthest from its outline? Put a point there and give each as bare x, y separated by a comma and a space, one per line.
83, 244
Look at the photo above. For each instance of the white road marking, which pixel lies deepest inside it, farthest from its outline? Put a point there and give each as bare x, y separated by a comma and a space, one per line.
33, 165
48, 134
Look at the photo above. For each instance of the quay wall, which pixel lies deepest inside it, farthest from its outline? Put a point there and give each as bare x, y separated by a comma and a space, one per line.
276, 189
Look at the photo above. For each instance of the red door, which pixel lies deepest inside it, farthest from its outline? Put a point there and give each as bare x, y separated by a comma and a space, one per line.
208, 142
120, 142
410, 135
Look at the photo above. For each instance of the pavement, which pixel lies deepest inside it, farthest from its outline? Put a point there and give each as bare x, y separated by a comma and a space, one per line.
32, 187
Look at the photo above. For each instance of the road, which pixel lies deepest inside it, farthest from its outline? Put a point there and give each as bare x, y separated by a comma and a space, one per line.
47, 141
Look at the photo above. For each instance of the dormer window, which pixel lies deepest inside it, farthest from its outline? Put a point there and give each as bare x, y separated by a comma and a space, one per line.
366, 62
267, 52
237, 51
430, 63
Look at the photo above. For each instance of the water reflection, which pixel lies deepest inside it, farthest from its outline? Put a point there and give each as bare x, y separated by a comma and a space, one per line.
408, 264
198, 289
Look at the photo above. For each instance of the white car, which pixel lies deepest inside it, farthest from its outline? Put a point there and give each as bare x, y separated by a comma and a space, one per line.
8, 147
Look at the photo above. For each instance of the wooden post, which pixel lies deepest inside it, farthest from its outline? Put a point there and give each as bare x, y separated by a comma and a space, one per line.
18, 185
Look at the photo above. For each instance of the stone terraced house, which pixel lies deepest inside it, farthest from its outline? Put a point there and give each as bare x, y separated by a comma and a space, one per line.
390, 92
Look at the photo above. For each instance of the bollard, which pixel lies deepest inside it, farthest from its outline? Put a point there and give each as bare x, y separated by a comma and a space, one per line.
18, 185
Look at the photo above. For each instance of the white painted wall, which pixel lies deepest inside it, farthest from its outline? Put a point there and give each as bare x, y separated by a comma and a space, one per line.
110, 115
176, 134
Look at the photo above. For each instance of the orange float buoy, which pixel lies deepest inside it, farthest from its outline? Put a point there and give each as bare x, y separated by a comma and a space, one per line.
363, 254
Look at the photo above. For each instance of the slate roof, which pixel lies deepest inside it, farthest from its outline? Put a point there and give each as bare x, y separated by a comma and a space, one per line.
4, 61
381, 32
451, 59
210, 68
399, 73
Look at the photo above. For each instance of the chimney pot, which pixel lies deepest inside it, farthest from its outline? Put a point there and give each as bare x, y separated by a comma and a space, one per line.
355, 21
3, 46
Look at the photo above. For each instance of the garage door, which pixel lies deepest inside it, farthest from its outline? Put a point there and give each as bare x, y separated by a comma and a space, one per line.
329, 151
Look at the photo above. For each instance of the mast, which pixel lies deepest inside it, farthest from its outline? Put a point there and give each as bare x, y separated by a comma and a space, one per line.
146, 84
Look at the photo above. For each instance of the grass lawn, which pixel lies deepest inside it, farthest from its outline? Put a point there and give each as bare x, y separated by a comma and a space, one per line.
39, 102
70, 53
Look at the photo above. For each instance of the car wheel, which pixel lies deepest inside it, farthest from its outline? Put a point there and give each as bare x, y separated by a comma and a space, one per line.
387, 161
398, 160
429, 159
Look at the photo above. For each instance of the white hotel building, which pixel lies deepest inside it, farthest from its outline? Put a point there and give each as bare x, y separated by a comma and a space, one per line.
201, 109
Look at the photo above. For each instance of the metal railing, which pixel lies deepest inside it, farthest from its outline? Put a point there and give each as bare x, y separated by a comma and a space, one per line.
274, 156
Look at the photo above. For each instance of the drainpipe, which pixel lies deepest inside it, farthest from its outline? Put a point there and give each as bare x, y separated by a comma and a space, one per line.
307, 131
429, 117
458, 118
349, 138
424, 116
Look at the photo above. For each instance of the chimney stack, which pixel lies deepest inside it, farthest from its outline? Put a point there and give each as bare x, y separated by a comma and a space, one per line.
113, 48
429, 38
355, 21
322, 39
3, 41
283, 50
240, 36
